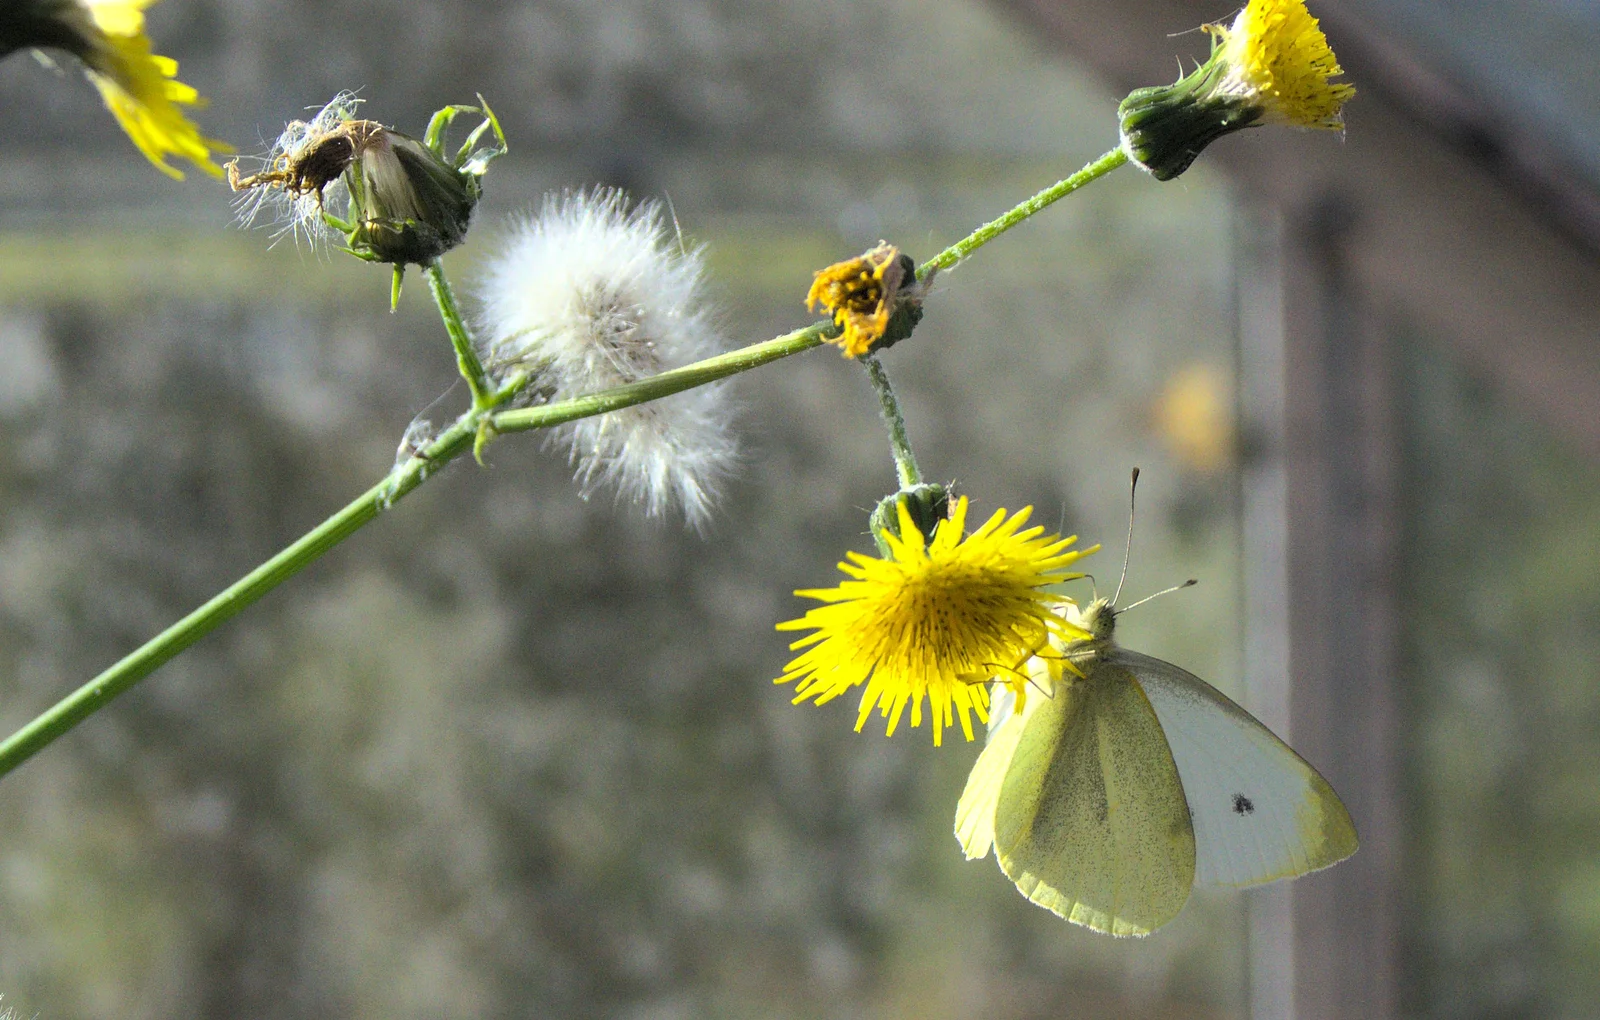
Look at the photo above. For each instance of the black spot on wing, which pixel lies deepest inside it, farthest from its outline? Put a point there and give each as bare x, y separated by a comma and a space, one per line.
1242, 805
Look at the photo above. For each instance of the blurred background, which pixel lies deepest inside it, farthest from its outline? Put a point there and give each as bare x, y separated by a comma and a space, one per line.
511, 753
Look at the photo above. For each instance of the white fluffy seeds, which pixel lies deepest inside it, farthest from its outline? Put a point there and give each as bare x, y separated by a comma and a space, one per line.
590, 295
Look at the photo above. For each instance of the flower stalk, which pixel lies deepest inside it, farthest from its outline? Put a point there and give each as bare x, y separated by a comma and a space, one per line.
483, 394
905, 462
962, 249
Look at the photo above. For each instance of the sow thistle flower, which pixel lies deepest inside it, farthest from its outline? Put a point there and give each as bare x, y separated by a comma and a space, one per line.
407, 201
874, 298
592, 294
1273, 65
139, 87
935, 618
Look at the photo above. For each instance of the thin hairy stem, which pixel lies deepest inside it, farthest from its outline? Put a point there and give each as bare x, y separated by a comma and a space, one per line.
466, 355
470, 432
994, 228
664, 385
905, 462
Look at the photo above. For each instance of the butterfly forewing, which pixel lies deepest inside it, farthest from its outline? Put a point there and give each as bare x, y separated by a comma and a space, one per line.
1091, 821
1261, 813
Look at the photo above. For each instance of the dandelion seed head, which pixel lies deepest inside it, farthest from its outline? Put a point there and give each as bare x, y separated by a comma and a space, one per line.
591, 294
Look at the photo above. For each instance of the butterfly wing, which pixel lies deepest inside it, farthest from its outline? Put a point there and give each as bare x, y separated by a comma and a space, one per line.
1002, 705
975, 811
1261, 813
1090, 821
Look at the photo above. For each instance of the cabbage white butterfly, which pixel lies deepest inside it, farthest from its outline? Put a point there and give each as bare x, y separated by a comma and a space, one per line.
1107, 799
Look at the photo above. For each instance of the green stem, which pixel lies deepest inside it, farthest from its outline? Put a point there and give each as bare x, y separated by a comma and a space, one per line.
665, 384
466, 356
89, 698
450, 444
905, 462
994, 228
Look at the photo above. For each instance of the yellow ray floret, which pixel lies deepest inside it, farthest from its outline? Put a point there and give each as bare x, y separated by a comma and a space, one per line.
141, 88
1275, 52
934, 619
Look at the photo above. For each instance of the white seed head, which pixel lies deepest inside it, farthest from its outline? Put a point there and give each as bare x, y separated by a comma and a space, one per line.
589, 295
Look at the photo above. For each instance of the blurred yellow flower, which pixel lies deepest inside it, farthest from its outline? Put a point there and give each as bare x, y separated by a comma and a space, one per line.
934, 619
1194, 414
139, 87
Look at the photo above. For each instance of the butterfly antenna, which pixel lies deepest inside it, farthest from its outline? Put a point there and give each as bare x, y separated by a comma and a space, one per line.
1190, 583
1127, 550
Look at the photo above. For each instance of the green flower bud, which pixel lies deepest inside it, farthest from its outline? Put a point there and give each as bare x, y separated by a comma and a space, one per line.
928, 504
407, 205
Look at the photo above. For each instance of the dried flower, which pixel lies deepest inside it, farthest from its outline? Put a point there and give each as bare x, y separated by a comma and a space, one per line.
874, 298
590, 295
1271, 66
140, 88
407, 203
300, 175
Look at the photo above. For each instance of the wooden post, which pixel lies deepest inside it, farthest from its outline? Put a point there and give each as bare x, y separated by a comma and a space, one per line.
1264, 561
1341, 441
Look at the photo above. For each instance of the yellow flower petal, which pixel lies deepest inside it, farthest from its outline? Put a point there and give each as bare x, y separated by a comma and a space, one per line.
1276, 52
118, 17
141, 89
934, 620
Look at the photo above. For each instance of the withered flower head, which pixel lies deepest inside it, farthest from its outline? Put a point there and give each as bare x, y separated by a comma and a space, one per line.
408, 202
874, 298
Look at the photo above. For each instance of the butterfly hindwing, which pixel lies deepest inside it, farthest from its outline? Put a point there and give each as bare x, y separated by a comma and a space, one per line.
1091, 821
1261, 813
976, 809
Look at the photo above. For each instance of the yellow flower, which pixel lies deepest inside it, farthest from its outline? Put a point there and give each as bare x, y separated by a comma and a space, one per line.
866, 294
1271, 66
139, 87
1276, 54
935, 619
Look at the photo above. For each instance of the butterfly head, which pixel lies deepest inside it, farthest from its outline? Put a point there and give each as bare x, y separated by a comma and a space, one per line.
1099, 619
